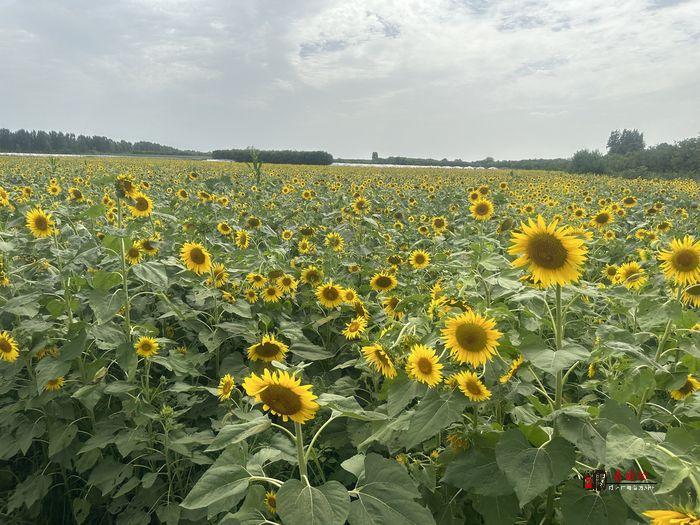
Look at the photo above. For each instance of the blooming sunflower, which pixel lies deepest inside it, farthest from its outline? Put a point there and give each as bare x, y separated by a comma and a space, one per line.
134, 254
224, 229
242, 239
271, 294
355, 328
146, 347
391, 307
513, 368
329, 295
691, 385
8, 347
471, 338
419, 259
195, 257
471, 386
423, 365
142, 206
52, 385
335, 242
225, 387
349, 295
439, 224
691, 295
681, 262
282, 394
602, 219
610, 272
268, 349
40, 223
311, 275
271, 501
552, 254
631, 275
383, 282
481, 209
672, 517
287, 283
379, 360
218, 276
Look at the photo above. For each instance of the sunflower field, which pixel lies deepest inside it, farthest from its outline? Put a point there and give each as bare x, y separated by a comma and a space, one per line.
188, 342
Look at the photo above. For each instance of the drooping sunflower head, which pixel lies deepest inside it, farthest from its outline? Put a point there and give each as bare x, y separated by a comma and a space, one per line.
40, 223
268, 349
8, 347
218, 276
419, 259
329, 295
471, 386
53, 385
195, 257
424, 365
691, 385
282, 394
681, 261
383, 282
377, 357
225, 388
471, 338
552, 254
512, 369
146, 346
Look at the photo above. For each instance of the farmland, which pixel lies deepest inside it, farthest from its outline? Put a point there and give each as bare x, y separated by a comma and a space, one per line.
193, 342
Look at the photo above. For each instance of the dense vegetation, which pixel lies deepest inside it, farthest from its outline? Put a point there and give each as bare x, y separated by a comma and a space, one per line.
197, 342
23, 141
275, 156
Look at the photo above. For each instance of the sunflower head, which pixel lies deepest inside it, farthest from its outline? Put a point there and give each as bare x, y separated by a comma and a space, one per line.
8, 347
40, 223
329, 295
146, 347
424, 366
378, 359
471, 386
383, 282
268, 349
283, 395
681, 261
419, 259
225, 388
471, 338
195, 257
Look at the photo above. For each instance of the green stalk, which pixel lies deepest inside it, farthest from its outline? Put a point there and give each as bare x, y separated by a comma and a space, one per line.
303, 473
125, 284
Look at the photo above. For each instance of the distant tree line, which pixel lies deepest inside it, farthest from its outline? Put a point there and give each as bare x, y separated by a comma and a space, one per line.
24, 141
488, 162
274, 156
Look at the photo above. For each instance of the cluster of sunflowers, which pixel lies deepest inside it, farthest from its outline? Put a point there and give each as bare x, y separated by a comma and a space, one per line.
428, 313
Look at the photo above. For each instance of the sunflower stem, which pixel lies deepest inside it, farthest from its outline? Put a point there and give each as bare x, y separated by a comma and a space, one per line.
125, 284
559, 388
303, 473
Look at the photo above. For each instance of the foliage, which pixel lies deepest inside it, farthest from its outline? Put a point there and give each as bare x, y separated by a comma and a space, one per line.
275, 156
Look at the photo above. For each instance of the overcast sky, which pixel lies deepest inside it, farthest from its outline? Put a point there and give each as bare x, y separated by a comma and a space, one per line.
442, 78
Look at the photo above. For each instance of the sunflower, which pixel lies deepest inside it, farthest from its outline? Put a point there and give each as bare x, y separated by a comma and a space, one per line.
631, 275
423, 365
282, 394
268, 349
471, 386
513, 368
40, 223
349, 295
383, 282
552, 254
439, 224
256, 280
360, 206
672, 517
602, 219
311, 275
218, 276
251, 296
471, 338
142, 206
335, 242
419, 259
481, 209
225, 387
8, 347
52, 385
149, 246
224, 229
146, 347
629, 201
271, 501
681, 262
391, 305
355, 328
610, 272
691, 385
271, 294
329, 295
195, 257
379, 360
134, 254
242, 239
691, 295
287, 283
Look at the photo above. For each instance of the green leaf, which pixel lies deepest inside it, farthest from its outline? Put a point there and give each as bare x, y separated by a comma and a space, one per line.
621, 445
532, 470
401, 392
583, 432
298, 503
104, 281
23, 305
433, 413
476, 471
250, 512
60, 436
74, 347
153, 273
585, 507
221, 481
550, 361
50, 368
497, 510
238, 432
387, 496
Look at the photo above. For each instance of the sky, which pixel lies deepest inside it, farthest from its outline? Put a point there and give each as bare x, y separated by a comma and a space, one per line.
433, 78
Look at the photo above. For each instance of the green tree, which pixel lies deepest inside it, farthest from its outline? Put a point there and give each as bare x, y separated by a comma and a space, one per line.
587, 161
625, 141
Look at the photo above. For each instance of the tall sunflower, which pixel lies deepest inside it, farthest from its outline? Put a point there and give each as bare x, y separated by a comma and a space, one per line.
631, 275
329, 295
377, 357
146, 347
419, 259
481, 209
424, 365
471, 386
471, 338
40, 223
8, 347
195, 257
383, 282
225, 388
142, 206
271, 294
681, 262
268, 349
282, 394
551, 253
